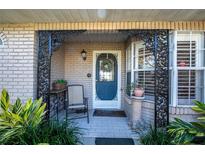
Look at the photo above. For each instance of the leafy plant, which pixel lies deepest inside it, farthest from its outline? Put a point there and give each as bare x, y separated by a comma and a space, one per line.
60, 81
155, 137
131, 87
16, 118
185, 132
23, 124
53, 133
181, 131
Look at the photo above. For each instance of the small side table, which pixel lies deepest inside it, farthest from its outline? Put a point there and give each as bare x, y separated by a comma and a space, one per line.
59, 96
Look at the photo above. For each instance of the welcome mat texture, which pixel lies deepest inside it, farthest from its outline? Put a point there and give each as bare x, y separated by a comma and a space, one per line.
109, 113
113, 141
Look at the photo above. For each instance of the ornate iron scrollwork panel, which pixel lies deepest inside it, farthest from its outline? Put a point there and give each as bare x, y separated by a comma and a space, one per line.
157, 41
161, 52
44, 60
49, 41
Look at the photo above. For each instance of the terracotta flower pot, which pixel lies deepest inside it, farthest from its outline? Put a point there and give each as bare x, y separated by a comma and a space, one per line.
182, 64
58, 86
139, 92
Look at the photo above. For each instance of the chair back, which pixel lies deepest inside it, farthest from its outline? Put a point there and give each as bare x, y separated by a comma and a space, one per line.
75, 94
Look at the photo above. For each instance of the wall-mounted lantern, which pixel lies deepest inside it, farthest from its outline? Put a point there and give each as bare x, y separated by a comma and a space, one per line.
84, 54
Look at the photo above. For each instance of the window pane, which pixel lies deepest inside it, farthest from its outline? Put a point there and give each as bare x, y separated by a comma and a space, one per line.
140, 58
146, 80
106, 70
190, 57
149, 59
190, 86
186, 53
145, 59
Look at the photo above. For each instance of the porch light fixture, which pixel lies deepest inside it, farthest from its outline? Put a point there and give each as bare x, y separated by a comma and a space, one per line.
84, 54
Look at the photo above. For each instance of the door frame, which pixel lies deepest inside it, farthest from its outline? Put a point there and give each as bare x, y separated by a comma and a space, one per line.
114, 104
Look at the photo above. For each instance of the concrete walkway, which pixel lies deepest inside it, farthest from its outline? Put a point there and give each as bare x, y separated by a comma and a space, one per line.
109, 127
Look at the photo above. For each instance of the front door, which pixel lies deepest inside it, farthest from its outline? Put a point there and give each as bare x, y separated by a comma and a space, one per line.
106, 80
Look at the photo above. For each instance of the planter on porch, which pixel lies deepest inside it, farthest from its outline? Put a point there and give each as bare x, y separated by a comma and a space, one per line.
133, 109
59, 84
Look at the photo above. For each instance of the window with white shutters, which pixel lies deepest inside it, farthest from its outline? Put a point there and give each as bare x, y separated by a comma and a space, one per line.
142, 68
145, 79
187, 67
190, 67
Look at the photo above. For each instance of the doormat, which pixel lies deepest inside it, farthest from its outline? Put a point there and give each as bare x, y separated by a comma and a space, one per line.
109, 113
114, 141
80, 111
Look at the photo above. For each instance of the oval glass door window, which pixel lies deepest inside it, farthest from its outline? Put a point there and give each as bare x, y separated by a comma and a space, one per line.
106, 72
106, 76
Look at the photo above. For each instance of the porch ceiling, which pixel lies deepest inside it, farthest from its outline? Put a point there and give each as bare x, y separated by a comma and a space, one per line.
99, 36
37, 16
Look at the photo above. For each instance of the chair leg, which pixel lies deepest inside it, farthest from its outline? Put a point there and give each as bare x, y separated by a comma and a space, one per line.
66, 113
88, 117
66, 116
84, 110
58, 99
87, 114
57, 114
65, 100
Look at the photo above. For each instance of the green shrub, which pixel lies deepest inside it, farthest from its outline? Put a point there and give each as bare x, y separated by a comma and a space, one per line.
185, 132
61, 81
155, 137
23, 124
17, 118
53, 133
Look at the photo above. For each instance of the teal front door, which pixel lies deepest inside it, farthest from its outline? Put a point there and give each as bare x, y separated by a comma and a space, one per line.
106, 76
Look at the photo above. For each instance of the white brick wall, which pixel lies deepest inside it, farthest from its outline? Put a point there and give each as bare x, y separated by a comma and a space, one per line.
35, 65
148, 112
185, 113
18, 59
58, 64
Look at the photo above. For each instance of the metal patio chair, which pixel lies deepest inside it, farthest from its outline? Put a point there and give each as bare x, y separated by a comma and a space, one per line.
76, 100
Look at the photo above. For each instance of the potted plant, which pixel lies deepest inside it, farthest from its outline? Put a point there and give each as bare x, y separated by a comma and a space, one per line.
135, 90
59, 84
182, 63
129, 89
138, 91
